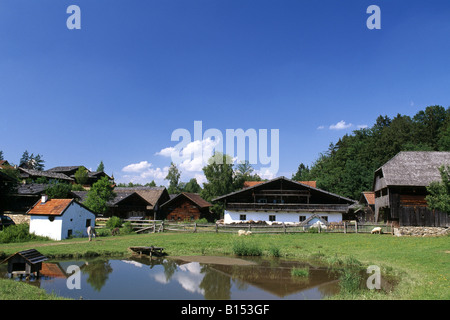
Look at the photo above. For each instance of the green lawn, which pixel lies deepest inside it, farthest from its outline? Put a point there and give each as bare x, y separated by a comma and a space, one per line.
422, 265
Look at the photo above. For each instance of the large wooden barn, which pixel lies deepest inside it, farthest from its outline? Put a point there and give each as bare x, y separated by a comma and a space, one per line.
400, 187
283, 200
186, 206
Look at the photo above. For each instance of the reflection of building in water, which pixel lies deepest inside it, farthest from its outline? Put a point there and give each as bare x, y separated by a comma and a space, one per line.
274, 279
278, 280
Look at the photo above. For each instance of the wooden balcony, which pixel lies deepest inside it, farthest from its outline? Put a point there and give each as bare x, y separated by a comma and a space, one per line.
287, 207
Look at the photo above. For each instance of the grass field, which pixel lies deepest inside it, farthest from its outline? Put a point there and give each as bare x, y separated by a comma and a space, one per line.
421, 265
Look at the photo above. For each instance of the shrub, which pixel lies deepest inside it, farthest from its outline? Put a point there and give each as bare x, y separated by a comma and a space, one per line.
18, 233
300, 272
127, 228
114, 222
245, 248
349, 281
275, 252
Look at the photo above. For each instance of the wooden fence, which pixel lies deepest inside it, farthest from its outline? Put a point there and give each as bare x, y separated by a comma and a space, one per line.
146, 226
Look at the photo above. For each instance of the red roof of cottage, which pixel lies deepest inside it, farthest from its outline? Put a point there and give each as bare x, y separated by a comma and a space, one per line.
370, 197
52, 207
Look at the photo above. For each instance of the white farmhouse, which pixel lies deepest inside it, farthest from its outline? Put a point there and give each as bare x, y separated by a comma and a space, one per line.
59, 219
284, 201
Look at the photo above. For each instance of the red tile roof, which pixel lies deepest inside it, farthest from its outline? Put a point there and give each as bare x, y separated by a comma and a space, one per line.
370, 197
52, 207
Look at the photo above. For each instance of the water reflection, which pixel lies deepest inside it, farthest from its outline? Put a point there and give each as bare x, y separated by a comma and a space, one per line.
144, 278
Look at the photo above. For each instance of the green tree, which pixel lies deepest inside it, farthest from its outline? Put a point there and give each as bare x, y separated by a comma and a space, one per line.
192, 186
28, 161
59, 190
244, 172
173, 176
151, 184
438, 197
98, 196
101, 167
302, 173
220, 180
82, 176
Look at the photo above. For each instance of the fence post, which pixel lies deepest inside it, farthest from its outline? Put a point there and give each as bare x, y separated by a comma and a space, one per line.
195, 227
217, 228
356, 226
345, 227
284, 227
318, 227
154, 226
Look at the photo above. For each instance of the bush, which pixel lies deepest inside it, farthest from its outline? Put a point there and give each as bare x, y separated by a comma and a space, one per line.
349, 281
18, 233
244, 248
114, 222
127, 228
300, 272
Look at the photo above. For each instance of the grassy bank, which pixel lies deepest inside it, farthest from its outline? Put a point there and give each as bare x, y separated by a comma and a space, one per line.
422, 265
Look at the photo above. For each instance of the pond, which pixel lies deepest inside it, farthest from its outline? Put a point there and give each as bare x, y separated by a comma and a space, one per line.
180, 278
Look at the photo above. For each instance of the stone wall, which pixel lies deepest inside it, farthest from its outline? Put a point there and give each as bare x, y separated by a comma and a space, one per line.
19, 218
421, 231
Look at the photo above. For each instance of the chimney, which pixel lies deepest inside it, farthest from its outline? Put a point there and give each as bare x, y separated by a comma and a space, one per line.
44, 199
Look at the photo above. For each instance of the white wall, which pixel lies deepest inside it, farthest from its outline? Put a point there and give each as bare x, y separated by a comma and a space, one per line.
74, 218
42, 226
234, 216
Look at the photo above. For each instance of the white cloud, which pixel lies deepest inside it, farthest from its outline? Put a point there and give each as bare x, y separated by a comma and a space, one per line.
137, 167
362, 126
340, 125
320, 127
144, 172
194, 156
166, 152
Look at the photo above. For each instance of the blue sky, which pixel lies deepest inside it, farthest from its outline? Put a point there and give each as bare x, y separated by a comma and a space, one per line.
137, 70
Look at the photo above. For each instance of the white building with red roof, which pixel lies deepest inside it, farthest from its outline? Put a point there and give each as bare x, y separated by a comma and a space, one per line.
60, 219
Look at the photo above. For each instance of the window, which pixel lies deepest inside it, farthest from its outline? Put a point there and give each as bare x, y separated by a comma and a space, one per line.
243, 217
88, 222
69, 233
272, 218
301, 218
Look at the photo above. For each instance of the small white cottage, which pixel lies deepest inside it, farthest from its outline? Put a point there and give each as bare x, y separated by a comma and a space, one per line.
60, 219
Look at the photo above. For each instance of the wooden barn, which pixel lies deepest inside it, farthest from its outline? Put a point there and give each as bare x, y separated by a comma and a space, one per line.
284, 201
400, 187
186, 206
125, 205
155, 196
366, 213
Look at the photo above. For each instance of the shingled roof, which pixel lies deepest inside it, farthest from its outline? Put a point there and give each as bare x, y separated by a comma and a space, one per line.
414, 168
27, 173
194, 197
151, 194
